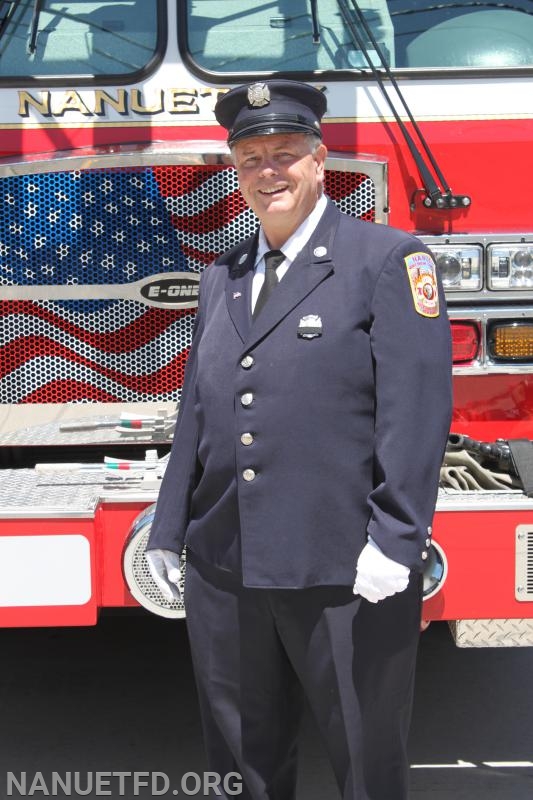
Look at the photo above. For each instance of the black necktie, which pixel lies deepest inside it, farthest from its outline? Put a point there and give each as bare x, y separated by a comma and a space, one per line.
272, 261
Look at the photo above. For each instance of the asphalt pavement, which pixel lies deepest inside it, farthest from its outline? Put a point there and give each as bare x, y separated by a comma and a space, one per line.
91, 703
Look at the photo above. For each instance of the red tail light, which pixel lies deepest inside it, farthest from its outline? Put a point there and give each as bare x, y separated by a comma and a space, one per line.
466, 339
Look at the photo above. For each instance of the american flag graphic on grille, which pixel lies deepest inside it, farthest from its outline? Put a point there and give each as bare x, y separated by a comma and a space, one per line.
114, 227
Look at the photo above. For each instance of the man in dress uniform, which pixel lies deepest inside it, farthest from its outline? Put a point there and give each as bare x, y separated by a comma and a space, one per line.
304, 468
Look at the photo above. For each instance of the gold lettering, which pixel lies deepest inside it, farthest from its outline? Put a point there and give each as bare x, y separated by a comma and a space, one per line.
102, 98
212, 96
42, 106
172, 101
182, 101
139, 108
71, 102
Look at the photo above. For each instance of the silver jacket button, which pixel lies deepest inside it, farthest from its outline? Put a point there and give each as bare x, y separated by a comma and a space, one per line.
247, 399
428, 542
246, 438
247, 362
424, 555
248, 474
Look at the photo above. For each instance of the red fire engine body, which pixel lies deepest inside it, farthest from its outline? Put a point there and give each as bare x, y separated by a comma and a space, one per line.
117, 191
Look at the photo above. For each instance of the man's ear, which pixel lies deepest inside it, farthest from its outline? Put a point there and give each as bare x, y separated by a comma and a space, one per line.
320, 159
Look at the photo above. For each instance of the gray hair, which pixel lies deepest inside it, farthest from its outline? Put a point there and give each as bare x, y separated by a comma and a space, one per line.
314, 141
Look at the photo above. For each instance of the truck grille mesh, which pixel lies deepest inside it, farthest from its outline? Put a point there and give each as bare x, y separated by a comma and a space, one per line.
101, 227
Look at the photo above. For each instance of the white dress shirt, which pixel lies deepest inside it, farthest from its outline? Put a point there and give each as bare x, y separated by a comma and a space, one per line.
290, 249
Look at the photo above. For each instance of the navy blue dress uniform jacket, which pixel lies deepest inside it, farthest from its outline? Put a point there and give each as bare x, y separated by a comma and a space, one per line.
343, 431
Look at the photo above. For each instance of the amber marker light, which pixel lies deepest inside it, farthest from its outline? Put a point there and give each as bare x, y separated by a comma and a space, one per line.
511, 341
466, 339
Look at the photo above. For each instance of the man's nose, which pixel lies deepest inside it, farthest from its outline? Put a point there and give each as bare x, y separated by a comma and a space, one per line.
268, 167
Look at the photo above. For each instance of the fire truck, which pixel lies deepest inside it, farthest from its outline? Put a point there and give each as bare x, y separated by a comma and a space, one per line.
117, 190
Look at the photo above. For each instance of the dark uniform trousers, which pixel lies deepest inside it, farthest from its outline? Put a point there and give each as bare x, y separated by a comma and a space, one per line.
257, 652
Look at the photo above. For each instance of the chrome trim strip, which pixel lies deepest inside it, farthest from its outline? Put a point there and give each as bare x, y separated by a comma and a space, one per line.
524, 563
200, 152
24, 512
483, 316
377, 170
115, 156
191, 153
109, 291
127, 496
483, 501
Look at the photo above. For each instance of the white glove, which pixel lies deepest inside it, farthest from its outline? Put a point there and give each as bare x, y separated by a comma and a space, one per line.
164, 567
378, 576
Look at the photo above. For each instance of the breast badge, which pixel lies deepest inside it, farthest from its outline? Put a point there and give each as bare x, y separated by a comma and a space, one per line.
310, 327
423, 280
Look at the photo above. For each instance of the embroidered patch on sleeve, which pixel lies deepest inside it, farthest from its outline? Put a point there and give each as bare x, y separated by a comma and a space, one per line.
423, 279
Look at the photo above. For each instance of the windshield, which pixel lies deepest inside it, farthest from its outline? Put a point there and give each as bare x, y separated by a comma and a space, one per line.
80, 38
240, 37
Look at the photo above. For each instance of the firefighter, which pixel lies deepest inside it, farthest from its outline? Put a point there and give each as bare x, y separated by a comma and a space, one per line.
304, 468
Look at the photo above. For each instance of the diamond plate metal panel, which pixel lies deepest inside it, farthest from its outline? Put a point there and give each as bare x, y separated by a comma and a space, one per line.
492, 632
486, 500
24, 495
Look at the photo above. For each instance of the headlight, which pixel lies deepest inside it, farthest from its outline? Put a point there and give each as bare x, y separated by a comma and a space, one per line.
459, 266
510, 266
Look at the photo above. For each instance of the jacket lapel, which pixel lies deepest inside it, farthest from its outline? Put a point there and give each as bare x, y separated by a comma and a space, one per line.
239, 287
312, 265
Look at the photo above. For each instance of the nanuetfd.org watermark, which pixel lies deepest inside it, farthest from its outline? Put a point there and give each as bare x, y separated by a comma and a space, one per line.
119, 784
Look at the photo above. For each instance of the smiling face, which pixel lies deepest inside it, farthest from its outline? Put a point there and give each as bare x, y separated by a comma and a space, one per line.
281, 178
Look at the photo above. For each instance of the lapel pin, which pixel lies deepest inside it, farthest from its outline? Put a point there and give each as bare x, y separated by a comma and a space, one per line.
310, 326
320, 251
243, 258
236, 295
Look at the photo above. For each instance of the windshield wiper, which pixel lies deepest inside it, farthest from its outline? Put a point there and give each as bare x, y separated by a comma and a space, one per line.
316, 26
34, 27
438, 197
7, 9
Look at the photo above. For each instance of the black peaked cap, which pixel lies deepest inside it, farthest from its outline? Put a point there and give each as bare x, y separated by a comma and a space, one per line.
275, 106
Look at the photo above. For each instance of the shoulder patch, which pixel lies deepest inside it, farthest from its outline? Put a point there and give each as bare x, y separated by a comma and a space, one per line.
422, 274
